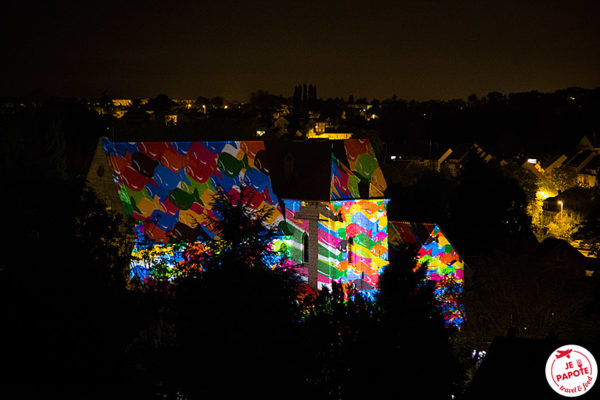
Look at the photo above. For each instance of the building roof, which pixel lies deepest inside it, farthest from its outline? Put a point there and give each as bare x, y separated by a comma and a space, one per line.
588, 142
300, 169
593, 164
170, 185
581, 159
410, 232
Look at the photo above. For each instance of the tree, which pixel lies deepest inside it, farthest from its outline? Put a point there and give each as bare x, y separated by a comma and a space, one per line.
489, 208
561, 179
243, 235
235, 315
413, 330
161, 104
589, 231
217, 101
64, 308
356, 348
338, 335
105, 102
563, 226
202, 101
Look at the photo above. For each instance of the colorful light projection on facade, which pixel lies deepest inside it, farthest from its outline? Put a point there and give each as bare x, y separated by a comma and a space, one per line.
444, 265
362, 168
353, 248
151, 259
168, 187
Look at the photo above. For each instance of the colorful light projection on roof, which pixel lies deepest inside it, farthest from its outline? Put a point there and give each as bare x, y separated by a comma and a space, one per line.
362, 167
444, 265
169, 187
352, 249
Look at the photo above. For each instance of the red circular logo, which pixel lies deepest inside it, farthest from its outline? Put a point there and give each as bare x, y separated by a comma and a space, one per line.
571, 370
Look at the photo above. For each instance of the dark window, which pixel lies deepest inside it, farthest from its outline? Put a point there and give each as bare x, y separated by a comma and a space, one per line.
363, 189
350, 250
305, 247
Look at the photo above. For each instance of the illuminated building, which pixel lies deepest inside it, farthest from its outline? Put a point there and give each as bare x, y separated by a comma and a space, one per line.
328, 135
168, 188
322, 131
122, 102
328, 190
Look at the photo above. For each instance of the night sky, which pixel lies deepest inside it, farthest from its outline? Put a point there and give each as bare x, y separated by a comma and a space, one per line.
418, 50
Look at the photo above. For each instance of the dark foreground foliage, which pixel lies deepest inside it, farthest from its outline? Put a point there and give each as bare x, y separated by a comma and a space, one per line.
73, 328
65, 314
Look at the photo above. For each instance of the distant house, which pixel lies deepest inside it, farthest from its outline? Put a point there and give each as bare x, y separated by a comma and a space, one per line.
325, 197
325, 129
558, 257
122, 102
555, 163
591, 142
433, 161
533, 166
583, 162
455, 161
281, 126
312, 134
577, 202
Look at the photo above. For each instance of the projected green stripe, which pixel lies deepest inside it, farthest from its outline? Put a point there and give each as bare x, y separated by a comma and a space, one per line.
365, 241
326, 269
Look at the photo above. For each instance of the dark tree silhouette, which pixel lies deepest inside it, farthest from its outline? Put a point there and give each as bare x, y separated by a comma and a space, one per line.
489, 210
394, 346
235, 315
63, 308
414, 337
161, 104
589, 230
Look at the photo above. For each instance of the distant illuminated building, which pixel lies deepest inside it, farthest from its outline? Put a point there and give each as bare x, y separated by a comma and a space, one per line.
329, 135
122, 102
322, 130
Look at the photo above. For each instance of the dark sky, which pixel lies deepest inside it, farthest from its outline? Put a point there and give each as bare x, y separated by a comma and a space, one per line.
422, 49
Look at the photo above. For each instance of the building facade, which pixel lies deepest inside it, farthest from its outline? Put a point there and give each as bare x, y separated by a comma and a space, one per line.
324, 199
